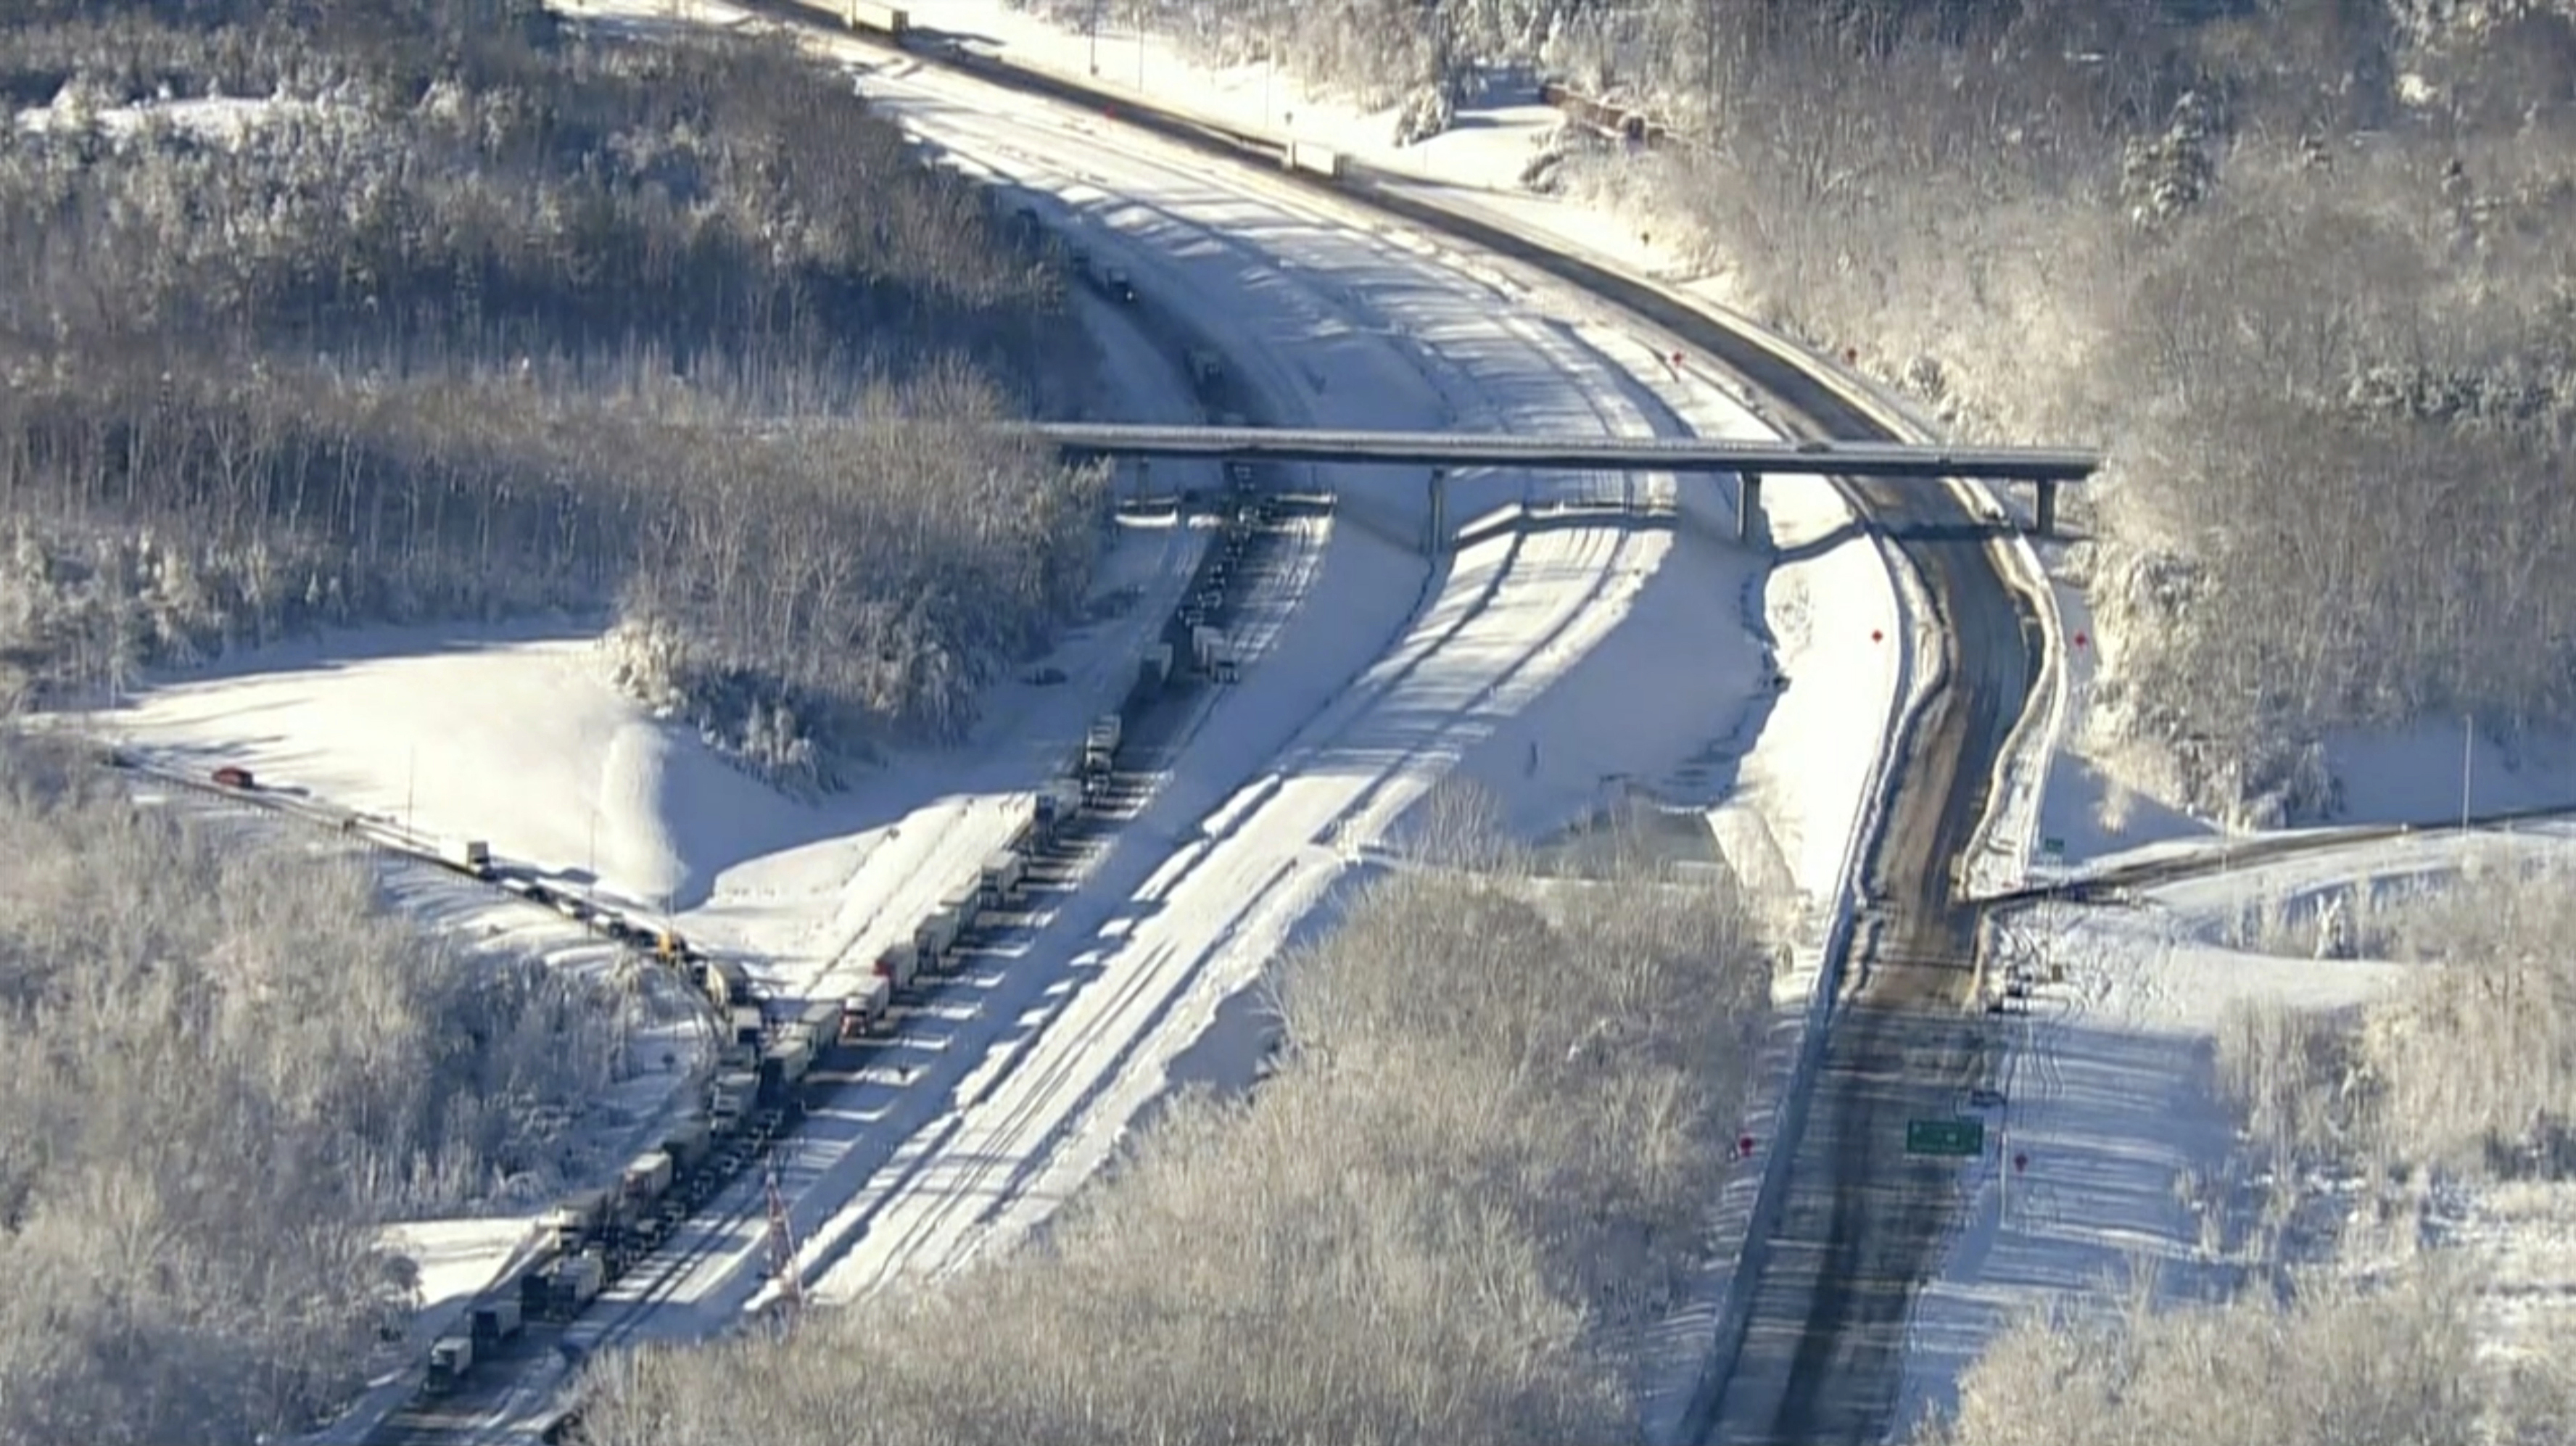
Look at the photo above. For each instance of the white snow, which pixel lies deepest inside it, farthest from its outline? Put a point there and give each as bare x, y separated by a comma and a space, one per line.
2113, 1099
1621, 653
458, 1259
521, 740
219, 118
2110, 1103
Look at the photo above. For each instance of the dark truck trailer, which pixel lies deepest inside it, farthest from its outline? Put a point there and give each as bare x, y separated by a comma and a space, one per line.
782, 1072
497, 1317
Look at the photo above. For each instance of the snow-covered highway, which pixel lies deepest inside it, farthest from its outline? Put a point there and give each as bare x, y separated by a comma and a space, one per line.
1576, 636
1336, 732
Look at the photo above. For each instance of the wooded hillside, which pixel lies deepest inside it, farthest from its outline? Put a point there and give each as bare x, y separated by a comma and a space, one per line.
318, 315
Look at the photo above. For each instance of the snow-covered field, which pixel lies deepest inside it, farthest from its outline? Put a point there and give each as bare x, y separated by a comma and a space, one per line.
2112, 1144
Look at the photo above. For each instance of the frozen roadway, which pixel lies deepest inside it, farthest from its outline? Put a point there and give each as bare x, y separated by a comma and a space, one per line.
1382, 685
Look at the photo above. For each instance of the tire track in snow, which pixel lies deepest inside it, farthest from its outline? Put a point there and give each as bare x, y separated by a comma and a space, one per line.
1038, 1094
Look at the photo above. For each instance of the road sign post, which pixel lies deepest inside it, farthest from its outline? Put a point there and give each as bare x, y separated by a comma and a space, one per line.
1945, 1137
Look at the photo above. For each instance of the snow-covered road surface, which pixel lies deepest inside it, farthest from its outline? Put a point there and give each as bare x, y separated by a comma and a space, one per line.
1590, 633
1511, 612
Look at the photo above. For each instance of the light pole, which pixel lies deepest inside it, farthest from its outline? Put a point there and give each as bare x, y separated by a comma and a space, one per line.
1094, 28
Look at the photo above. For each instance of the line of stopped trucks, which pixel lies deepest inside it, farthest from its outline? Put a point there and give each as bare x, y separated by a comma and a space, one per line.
767, 1060
770, 1052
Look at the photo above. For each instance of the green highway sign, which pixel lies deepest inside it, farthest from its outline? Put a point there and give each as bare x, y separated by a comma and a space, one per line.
1945, 1137
2052, 848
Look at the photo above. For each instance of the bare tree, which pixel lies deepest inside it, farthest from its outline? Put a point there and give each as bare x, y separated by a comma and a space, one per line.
1499, 1121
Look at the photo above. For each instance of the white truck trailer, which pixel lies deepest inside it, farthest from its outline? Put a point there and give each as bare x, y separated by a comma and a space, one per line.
687, 1143
730, 1100
567, 1225
821, 1023
1100, 745
900, 964
450, 1357
1002, 875
574, 1283
648, 1177
866, 1009
933, 937
966, 903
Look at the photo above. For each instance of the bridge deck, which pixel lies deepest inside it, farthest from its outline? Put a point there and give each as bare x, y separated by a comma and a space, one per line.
1651, 454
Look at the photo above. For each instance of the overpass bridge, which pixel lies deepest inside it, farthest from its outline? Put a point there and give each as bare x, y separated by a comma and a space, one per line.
2045, 468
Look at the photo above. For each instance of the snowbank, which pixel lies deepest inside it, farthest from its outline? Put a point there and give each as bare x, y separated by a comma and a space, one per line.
517, 738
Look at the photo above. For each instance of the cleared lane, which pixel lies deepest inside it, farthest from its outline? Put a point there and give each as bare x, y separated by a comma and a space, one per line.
1863, 1223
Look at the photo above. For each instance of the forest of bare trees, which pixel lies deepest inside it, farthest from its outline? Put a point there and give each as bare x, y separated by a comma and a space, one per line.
2469, 1067
2337, 1363
1489, 1152
2302, 265
2326, 333
2308, 269
223, 1066
460, 314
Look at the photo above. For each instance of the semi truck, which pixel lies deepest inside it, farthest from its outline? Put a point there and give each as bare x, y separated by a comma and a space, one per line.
821, 1026
1002, 875
497, 1318
731, 1100
647, 1178
964, 904
934, 937
574, 1283
864, 1011
782, 1072
576, 1220
450, 1357
900, 963
745, 1024
1100, 745
688, 1143
471, 856
1057, 805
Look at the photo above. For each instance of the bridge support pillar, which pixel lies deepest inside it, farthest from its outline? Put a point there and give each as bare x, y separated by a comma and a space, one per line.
1144, 478
2044, 509
1748, 506
1435, 534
